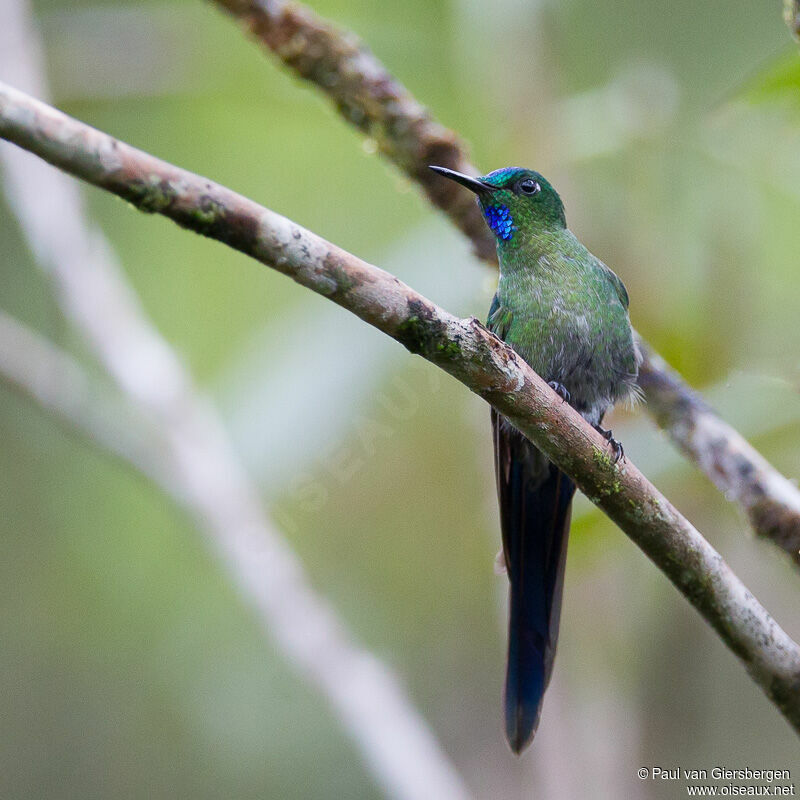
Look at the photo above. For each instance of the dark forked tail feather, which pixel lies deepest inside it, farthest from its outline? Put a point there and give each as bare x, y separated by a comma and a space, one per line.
535, 504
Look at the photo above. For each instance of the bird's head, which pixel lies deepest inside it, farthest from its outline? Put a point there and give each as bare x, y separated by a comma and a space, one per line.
513, 199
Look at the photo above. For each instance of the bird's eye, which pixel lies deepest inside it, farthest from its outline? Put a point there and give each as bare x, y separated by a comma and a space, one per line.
529, 186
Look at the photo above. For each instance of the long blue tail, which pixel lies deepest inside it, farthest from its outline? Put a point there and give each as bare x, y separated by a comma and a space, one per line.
535, 503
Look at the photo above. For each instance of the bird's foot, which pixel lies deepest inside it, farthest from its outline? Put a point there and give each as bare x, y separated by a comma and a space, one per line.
619, 450
560, 390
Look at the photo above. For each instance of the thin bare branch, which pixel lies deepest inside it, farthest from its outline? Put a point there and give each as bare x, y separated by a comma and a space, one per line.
791, 13
60, 385
461, 347
188, 454
370, 98
771, 501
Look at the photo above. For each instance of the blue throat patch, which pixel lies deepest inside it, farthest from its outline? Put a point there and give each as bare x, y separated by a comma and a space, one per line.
500, 221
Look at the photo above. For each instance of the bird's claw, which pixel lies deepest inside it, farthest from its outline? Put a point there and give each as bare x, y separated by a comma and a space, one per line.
560, 390
619, 450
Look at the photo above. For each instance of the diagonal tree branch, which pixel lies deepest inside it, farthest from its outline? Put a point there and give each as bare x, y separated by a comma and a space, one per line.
461, 347
771, 501
791, 13
61, 386
370, 98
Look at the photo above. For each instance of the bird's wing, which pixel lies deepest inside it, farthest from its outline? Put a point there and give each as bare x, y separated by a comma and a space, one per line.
614, 280
500, 318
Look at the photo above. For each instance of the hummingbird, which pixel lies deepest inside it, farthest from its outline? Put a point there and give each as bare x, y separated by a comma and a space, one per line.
566, 314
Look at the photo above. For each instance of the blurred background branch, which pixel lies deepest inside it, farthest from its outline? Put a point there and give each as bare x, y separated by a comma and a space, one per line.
370, 98
177, 439
738, 470
398, 747
792, 15
463, 348
60, 385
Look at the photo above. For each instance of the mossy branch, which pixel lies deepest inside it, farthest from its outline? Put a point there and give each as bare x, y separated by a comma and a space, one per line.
372, 100
461, 347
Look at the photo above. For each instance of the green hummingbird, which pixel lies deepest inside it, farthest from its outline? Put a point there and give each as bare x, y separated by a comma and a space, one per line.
566, 313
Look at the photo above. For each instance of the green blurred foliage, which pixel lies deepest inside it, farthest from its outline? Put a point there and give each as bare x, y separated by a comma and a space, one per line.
778, 81
130, 667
